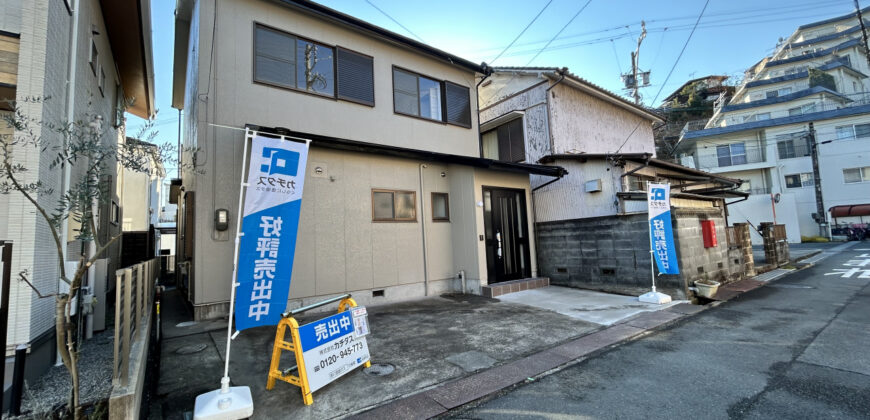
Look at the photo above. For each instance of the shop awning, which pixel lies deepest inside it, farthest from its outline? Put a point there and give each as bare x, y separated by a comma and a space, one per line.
850, 210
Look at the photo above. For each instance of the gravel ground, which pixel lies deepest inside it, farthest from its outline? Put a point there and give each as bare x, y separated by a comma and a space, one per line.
95, 376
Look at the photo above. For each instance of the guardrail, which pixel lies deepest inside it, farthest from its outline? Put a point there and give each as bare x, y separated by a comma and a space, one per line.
134, 290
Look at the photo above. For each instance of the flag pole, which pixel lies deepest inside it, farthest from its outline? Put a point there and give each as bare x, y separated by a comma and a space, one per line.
230, 402
652, 296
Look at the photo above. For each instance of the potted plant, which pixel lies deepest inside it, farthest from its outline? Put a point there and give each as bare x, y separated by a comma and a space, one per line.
707, 288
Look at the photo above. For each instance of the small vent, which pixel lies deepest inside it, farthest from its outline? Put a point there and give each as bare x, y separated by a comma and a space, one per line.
561, 270
378, 293
700, 269
720, 265
608, 271
736, 261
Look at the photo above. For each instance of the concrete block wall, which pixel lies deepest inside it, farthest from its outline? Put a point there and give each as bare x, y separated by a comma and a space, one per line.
697, 262
609, 253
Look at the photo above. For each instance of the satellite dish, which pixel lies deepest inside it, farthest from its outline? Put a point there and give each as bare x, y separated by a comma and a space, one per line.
777, 197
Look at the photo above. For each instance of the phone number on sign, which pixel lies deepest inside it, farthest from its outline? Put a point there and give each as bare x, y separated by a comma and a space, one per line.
349, 350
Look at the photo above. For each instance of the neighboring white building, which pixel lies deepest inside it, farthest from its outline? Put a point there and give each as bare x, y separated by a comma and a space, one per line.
762, 134
89, 58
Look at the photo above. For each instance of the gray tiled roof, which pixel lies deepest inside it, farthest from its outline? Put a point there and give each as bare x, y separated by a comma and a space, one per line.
784, 98
794, 119
817, 54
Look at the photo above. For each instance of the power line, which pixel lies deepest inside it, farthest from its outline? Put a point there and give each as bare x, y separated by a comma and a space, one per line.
752, 13
395, 21
686, 44
522, 32
560, 31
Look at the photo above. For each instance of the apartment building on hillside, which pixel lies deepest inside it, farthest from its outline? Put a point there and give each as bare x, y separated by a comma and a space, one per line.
816, 79
398, 201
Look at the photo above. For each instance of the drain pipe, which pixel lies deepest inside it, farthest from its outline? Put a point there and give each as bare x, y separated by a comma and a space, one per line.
423, 232
70, 110
462, 278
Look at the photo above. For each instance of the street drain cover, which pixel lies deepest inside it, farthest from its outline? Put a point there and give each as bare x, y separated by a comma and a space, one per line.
193, 348
185, 324
791, 286
379, 369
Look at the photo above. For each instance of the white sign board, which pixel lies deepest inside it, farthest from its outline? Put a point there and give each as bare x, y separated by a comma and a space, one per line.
334, 346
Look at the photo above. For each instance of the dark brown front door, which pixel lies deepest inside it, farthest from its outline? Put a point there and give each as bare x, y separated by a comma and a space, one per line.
507, 234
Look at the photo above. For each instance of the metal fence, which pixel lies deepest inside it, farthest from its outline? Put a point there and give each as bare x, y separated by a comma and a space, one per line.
134, 290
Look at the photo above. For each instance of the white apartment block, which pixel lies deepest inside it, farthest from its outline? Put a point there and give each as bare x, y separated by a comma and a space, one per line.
817, 77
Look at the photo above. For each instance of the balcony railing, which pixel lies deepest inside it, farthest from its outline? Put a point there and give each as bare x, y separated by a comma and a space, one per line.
758, 191
751, 155
693, 125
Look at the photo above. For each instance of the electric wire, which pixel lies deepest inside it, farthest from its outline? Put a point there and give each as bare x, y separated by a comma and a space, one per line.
395, 21
521, 32
683, 50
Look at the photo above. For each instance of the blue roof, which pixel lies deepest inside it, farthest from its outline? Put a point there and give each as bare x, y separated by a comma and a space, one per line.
784, 98
832, 20
803, 74
828, 37
817, 54
794, 119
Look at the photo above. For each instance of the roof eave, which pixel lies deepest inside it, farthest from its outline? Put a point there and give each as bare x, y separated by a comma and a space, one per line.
128, 23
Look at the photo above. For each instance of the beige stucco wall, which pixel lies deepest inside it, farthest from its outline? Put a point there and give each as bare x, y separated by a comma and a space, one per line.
234, 99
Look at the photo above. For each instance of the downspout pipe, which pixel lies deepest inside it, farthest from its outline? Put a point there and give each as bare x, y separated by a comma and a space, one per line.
423, 233
70, 116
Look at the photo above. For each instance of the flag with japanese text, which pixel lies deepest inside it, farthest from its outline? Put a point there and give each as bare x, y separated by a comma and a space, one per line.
269, 225
661, 232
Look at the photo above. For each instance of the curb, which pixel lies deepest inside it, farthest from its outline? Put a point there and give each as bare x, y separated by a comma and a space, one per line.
450, 395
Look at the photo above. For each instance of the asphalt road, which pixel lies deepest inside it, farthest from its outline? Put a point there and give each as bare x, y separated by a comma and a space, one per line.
796, 348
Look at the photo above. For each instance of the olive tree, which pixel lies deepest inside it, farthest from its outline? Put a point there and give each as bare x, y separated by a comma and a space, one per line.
94, 151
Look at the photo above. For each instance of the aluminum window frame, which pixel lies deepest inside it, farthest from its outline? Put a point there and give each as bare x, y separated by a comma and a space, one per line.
394, 219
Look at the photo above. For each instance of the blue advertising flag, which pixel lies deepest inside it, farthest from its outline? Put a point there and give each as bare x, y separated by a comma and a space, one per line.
661, 232
270, 221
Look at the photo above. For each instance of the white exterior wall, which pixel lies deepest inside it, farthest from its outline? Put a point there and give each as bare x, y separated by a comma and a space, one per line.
759, 208
567, 198
44, 28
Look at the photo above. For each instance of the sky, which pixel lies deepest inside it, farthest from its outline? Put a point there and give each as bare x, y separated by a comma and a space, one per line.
596, 45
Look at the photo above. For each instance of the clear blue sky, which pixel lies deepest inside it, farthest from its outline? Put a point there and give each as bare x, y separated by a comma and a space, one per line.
732, 35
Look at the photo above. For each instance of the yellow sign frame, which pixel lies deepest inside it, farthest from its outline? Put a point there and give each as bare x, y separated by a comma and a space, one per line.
295, 346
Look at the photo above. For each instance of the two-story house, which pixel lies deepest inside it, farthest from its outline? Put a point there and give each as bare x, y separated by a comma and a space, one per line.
812, 92
591, 225
86, 59
398, 201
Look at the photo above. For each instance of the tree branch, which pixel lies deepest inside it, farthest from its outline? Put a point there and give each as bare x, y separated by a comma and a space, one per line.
24, 279
101, 249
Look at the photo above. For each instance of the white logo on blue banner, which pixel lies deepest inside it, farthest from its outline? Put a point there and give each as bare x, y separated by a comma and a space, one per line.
661, 232
269, 225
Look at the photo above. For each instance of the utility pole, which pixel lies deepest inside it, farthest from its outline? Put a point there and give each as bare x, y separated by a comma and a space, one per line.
821, 214
634, 62
863, 30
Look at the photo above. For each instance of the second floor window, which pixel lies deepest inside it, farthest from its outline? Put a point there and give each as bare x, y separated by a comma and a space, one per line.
424, 97
731, 154
791, 146
286, 60
799, 180
848, 132
505, 143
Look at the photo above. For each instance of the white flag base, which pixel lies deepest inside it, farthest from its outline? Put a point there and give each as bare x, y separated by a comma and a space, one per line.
654, 297
227, 403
